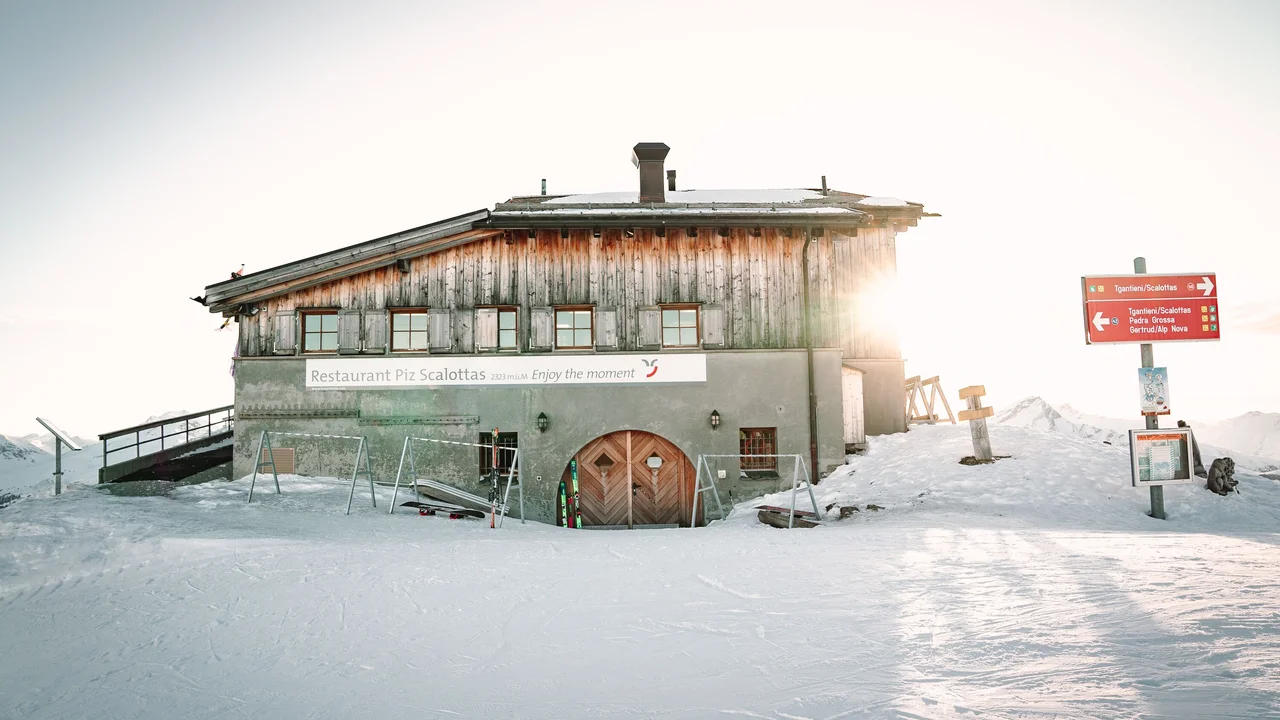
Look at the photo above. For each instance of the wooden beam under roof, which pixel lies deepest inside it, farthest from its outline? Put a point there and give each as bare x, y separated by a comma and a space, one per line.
229, 302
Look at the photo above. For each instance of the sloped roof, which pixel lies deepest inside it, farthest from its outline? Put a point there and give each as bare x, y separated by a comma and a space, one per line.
773, 208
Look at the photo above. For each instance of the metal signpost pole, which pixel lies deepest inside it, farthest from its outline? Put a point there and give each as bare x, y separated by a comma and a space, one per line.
1153, 421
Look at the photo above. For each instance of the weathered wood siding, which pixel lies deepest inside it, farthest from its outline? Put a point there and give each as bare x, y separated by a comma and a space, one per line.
757, 280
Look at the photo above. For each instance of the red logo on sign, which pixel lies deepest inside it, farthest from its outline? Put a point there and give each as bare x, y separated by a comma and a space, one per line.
651, 363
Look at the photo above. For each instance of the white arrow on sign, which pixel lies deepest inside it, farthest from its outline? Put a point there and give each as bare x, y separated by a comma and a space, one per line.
1099, 322
1206, 286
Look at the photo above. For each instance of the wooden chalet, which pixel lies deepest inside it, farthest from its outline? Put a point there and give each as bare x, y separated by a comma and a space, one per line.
680, 322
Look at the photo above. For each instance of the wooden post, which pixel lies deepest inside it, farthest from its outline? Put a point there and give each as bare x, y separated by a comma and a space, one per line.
977, 417
1153, 422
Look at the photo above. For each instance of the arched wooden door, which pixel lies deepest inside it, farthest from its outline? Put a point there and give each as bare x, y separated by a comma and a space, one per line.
632, 477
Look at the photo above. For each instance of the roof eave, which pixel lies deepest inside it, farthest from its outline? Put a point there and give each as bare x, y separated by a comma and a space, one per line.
227, 293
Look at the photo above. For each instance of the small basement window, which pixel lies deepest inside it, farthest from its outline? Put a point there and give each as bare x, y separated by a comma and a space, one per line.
758, 441
409, 330
507, 330
507, 443
573, 328
679, 326
319, 331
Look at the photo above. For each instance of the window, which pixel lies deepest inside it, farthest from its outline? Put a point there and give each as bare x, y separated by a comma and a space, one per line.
319, 331
507, 443
758, 441
573, 328
507, 329
679, 326
409, 330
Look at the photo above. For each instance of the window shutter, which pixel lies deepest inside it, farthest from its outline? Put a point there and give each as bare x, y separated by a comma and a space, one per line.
713, 325
440, 330
375, 332
486, 329
249, 336
542, 328
348, 332
606, 328
285, 342
650, 317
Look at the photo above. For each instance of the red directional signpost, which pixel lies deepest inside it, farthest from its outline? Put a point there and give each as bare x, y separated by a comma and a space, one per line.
1150, 308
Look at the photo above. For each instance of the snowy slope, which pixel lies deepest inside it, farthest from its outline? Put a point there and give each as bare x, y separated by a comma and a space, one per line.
34, 474
1034, 412
1033, 587
1256, 433
1053, 479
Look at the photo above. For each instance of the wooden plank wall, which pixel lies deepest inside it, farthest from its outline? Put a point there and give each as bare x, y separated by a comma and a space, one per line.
757, 279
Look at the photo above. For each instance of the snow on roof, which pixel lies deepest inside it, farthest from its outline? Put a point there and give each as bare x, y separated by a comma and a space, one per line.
695, 196
883, 202
717, 210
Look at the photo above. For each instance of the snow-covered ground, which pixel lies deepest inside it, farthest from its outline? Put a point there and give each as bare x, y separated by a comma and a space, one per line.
1031, 588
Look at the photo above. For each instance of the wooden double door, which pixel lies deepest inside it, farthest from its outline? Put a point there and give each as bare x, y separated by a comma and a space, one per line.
631, 478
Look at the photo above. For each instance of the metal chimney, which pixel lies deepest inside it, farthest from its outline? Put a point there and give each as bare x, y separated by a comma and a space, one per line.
649, 157
671, 181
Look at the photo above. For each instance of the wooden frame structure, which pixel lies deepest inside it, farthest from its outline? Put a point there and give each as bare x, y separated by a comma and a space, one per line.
914, 387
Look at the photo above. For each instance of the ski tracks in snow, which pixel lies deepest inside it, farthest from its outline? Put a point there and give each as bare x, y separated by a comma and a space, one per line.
316, 613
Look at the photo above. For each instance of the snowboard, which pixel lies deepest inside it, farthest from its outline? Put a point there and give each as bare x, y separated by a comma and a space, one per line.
454, 511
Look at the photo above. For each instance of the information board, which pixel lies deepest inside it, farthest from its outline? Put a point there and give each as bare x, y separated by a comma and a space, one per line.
1161, 457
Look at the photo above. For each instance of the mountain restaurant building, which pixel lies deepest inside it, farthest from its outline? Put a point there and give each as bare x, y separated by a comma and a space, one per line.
610, 328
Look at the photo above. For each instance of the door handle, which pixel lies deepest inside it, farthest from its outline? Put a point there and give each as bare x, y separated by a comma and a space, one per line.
634, 488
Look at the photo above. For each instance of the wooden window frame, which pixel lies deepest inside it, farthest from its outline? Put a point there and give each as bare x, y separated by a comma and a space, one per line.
697, 327
765, 445
302, 330
515, 310
391, 328
590, 310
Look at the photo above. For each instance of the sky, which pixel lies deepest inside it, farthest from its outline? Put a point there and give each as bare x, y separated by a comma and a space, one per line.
150, 148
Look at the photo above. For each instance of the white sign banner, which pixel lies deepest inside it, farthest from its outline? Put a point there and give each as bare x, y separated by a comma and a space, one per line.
508, 370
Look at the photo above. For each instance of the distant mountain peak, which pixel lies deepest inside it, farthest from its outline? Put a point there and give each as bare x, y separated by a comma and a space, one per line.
19, 449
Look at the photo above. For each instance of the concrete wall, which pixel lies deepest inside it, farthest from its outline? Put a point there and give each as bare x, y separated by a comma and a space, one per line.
752, 388
883, 395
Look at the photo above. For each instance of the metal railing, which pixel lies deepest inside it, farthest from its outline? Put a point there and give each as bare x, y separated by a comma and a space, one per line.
159, 435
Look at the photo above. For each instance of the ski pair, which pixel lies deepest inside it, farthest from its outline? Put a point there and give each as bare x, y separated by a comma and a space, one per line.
567, 519
493, 479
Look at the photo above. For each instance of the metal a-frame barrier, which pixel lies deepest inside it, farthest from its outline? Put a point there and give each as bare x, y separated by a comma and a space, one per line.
362, 452
407, 458
799, 468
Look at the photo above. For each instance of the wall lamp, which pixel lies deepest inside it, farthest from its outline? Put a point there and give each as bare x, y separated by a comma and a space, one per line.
543, 422
715, 419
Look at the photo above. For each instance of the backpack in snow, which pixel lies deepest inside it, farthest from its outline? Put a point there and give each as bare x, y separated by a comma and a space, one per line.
1222, 476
